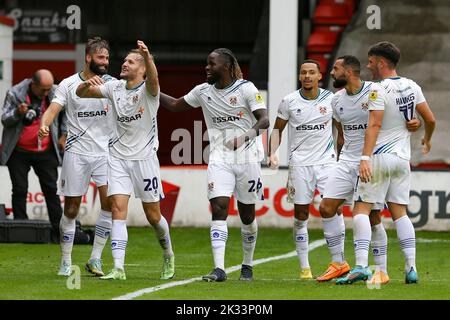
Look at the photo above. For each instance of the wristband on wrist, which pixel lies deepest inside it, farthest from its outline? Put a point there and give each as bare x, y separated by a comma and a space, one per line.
367, 158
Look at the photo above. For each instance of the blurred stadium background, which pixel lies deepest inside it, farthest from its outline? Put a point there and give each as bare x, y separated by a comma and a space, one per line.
270, 38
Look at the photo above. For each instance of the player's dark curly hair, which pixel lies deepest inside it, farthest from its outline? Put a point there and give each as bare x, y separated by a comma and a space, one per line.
387, 50
236, 72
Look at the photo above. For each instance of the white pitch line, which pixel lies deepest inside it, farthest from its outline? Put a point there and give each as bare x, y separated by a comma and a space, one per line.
129, 296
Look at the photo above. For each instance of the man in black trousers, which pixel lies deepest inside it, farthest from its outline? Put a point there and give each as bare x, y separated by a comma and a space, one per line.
24, 105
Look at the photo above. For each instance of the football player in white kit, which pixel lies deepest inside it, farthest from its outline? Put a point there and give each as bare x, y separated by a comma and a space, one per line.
384, 171
86, 153
350, 109
133, 164
309, 116
235, 115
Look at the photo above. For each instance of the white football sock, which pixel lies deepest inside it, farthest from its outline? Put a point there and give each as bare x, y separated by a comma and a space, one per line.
249, 234
379, 246
67, 233
119, 239
102, 232
333, 236
361, 239
163, 235
407, 238
301, 242
219, 236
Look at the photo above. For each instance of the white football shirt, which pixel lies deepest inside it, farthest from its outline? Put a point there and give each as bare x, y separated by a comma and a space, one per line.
89, 121
352, 112
136, 128
398, 98
228, 114
310, 136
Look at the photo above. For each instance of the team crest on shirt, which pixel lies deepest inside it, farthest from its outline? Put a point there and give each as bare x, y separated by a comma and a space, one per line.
106, 107
298, 111
141, 110
135, 98
211, 186
365, 106
323, 110
341, 110
241, 114
233, 100
373, 95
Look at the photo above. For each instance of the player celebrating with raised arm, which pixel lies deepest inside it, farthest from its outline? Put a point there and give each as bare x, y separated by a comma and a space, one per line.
133, 164
235, 115
384, 170
309, 115
86, 153
350, 109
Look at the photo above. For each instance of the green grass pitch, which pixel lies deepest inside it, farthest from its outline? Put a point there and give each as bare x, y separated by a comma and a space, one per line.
28, 271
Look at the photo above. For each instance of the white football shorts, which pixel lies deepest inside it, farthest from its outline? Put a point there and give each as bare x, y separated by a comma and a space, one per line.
141, 176
390, 181
77, 171
304, 180
342, 181
243, 180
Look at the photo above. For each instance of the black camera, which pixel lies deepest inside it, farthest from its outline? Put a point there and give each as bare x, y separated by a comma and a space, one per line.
31, 115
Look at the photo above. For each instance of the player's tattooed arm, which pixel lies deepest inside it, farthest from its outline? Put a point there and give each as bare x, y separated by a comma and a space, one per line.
151, 81
261, 125
340, 137
90, 88
370, 139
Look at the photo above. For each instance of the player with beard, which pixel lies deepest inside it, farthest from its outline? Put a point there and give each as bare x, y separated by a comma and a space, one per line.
235, 116
350, 111
384, 169
309, 116
133, 162
89, 125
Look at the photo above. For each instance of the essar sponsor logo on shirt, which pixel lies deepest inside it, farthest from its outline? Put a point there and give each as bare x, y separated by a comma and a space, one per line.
355, 126
90, 114
309, 127
228, 118
129, 119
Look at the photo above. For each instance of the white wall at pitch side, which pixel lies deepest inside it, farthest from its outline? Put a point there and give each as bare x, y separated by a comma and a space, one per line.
429, 207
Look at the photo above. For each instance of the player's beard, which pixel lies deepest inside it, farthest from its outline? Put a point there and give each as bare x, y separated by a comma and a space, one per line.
339, 83
96, 68
212, 79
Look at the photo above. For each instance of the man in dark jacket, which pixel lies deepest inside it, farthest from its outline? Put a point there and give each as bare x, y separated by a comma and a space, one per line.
24, 105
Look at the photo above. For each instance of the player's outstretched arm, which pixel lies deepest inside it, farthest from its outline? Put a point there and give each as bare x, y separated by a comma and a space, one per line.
90, 88
48, 117
172, 104
275, 141
423, 109
151, 81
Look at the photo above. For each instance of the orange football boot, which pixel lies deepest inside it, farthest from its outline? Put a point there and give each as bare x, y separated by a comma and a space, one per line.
334, 270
